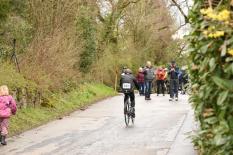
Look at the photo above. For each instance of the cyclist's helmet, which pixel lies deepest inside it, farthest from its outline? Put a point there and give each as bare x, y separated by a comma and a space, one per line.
128, 71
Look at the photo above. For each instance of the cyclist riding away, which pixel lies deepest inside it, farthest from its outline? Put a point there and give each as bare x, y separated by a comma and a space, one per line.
128, 83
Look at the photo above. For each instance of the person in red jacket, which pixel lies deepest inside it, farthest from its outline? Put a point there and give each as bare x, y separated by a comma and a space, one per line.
140, 80
160, 78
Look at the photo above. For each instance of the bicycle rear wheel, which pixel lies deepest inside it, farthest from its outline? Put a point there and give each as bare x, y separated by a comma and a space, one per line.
126, 112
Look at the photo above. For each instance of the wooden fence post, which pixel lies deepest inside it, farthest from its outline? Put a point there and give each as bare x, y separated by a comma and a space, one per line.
116, 79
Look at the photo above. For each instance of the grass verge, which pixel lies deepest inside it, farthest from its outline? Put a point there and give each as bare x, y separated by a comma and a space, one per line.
62, 104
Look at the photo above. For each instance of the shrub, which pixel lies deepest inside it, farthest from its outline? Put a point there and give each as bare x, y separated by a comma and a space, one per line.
210, 47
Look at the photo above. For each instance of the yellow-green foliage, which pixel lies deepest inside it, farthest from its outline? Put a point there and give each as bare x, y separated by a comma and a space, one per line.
9, 76
60, 44
210, 46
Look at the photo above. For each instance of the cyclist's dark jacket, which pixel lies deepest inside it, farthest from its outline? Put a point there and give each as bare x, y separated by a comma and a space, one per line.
129, 78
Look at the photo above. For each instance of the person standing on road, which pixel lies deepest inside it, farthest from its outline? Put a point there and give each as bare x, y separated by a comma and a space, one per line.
149, 77
184, 81
174, 82
128, 83
166, 80
160, 77
180, 77
7, 108
140, 80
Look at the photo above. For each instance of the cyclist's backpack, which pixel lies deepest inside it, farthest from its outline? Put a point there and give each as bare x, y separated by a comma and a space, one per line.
127, 83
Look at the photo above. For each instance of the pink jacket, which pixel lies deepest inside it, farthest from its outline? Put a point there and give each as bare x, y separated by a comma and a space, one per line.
7, 106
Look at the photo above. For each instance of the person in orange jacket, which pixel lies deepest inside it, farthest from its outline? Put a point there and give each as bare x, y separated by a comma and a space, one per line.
160, 78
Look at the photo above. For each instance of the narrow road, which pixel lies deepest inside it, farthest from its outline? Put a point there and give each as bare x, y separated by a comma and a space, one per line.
100, 130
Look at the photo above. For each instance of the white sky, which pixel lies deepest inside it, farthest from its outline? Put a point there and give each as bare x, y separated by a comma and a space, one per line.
175, 13
105, 7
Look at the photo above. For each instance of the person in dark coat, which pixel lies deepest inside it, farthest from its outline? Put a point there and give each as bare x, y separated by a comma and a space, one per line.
173, 73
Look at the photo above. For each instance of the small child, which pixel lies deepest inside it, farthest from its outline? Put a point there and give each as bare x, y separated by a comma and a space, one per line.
7, 108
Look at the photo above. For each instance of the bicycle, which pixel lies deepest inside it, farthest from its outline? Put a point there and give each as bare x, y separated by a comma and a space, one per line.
128, 112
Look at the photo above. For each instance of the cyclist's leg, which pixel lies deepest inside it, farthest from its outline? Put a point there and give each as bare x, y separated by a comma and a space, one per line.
127, 95
125, 99
132, 99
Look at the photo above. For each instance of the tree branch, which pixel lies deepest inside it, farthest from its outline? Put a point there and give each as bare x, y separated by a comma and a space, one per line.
181, 11
181, 50
180, 27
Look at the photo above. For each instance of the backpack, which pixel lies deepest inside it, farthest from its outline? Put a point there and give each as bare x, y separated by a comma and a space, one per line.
150, 74
127, 83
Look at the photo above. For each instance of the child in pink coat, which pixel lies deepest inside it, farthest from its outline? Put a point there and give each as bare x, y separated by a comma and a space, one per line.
7, 108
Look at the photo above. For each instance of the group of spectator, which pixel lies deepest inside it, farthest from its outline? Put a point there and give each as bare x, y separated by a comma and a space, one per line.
163, 80
166, 79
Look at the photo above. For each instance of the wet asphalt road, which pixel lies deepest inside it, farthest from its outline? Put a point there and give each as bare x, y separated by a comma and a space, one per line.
100, 130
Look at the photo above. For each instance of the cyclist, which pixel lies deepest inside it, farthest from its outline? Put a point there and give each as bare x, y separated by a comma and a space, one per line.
128, 83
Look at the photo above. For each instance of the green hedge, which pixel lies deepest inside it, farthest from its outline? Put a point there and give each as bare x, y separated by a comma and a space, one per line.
211, 51
10, 77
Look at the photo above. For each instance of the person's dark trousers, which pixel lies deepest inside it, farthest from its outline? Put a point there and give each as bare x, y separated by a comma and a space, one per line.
132, 98
167, 86
148, 86
141, 88
180, 85
174, 84
184, 86
160, 86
